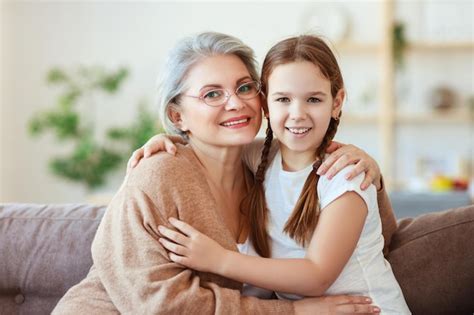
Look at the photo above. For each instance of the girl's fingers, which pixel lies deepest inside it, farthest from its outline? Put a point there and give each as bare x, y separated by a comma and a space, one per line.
173, 247
136, 157
177, 259
170, 147
183, 227
173, 235
359, 168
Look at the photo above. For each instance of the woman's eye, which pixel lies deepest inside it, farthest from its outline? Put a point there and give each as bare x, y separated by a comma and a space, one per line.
245, 88
314, 100
213, 94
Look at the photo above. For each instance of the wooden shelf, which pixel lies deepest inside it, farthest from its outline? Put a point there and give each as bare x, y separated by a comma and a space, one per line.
354, 47
440, 46
435, 118
358, 119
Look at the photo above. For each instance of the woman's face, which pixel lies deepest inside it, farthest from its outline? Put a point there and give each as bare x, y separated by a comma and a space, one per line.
234, 123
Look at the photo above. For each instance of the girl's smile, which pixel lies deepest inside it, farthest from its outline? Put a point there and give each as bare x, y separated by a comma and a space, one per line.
300, 107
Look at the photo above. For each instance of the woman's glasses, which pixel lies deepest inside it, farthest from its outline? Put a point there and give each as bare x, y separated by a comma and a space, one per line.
218, 97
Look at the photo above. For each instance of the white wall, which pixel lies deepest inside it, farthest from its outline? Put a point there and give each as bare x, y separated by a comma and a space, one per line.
39, 35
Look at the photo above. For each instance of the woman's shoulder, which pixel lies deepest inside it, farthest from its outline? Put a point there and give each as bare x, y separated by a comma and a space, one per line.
160, 167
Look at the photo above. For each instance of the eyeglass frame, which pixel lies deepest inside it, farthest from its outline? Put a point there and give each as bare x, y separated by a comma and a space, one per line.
227, 94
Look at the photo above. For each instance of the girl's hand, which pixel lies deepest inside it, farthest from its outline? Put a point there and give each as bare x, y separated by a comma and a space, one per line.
342, 155
191, 248
155, 144
337, 304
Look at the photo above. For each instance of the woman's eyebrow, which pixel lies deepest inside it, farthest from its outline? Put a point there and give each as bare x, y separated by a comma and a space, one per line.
216, 85
244, 79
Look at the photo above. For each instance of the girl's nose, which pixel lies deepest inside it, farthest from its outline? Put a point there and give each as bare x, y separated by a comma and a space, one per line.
297, 111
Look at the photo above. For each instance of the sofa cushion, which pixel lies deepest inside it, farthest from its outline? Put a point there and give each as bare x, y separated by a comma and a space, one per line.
432, 257
44, 250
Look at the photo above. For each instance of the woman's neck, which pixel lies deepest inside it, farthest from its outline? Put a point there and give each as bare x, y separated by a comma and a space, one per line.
222, 165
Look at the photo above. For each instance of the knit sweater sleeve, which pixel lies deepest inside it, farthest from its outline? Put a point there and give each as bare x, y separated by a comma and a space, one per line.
135, 270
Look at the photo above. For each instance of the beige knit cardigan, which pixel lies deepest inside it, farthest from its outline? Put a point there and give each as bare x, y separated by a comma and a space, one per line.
131, 273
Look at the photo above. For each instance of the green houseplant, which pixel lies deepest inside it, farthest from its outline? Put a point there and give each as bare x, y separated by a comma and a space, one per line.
91, 159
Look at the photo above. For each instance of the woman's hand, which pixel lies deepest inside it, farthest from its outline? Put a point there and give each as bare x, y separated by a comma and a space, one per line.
191, 248
337, 304
157, 143
342, 155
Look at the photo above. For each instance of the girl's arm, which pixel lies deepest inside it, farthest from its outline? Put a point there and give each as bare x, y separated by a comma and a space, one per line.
332, 244
340, 156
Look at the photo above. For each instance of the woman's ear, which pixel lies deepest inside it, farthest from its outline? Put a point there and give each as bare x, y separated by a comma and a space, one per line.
338, 102
175, 116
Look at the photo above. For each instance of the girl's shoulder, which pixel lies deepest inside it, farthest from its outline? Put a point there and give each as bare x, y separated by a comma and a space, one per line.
331, 189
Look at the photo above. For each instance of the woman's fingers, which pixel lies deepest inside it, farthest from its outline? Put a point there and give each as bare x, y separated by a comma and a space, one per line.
338, 165
334, 146
348, 299
357, 309
173, 247
173, 235
183, 227
354, 304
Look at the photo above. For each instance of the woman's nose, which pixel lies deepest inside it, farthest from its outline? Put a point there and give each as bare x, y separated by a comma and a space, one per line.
234, 103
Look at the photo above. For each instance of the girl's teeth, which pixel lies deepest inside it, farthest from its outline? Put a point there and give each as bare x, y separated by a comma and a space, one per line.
231, 123
298, 130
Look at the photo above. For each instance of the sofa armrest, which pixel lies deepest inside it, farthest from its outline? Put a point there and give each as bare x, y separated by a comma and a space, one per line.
44, 250
432, 257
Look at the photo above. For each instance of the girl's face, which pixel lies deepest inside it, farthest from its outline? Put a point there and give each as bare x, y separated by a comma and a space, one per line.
300, 106
234, 123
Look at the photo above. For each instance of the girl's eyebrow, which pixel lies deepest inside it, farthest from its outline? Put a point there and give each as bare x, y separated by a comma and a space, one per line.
216, 85
317, 93
309, 93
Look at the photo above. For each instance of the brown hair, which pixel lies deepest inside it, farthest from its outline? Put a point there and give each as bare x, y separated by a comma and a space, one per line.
303, 219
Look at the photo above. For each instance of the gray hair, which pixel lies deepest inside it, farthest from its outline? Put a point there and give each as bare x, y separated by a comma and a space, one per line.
184, 56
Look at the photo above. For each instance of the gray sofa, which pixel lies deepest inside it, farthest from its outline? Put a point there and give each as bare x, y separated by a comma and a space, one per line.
45, 249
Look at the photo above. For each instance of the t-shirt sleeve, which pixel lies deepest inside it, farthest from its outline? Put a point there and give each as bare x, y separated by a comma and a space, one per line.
330, 190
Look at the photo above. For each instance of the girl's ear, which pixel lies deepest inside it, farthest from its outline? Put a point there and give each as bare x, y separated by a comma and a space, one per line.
176, 117
338, 102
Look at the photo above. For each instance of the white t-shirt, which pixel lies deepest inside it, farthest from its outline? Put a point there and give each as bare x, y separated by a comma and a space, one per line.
367, 272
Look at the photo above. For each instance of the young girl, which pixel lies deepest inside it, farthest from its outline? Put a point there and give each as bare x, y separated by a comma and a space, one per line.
325, 234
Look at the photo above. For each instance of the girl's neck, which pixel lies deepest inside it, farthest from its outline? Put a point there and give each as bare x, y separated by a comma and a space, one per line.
293, 161
222, 165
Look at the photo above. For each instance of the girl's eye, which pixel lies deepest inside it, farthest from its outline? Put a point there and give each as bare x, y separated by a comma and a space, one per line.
283, 100
213, 94
314, 100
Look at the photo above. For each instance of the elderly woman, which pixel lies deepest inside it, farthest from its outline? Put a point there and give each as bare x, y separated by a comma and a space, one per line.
202, 185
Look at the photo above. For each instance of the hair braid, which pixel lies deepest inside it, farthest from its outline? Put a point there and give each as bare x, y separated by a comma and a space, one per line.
256, 205
304, 218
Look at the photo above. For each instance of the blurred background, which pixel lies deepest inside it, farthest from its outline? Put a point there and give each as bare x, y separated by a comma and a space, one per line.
78, 88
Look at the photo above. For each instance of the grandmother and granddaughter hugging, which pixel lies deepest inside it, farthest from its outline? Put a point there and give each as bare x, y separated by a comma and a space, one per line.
230, 224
